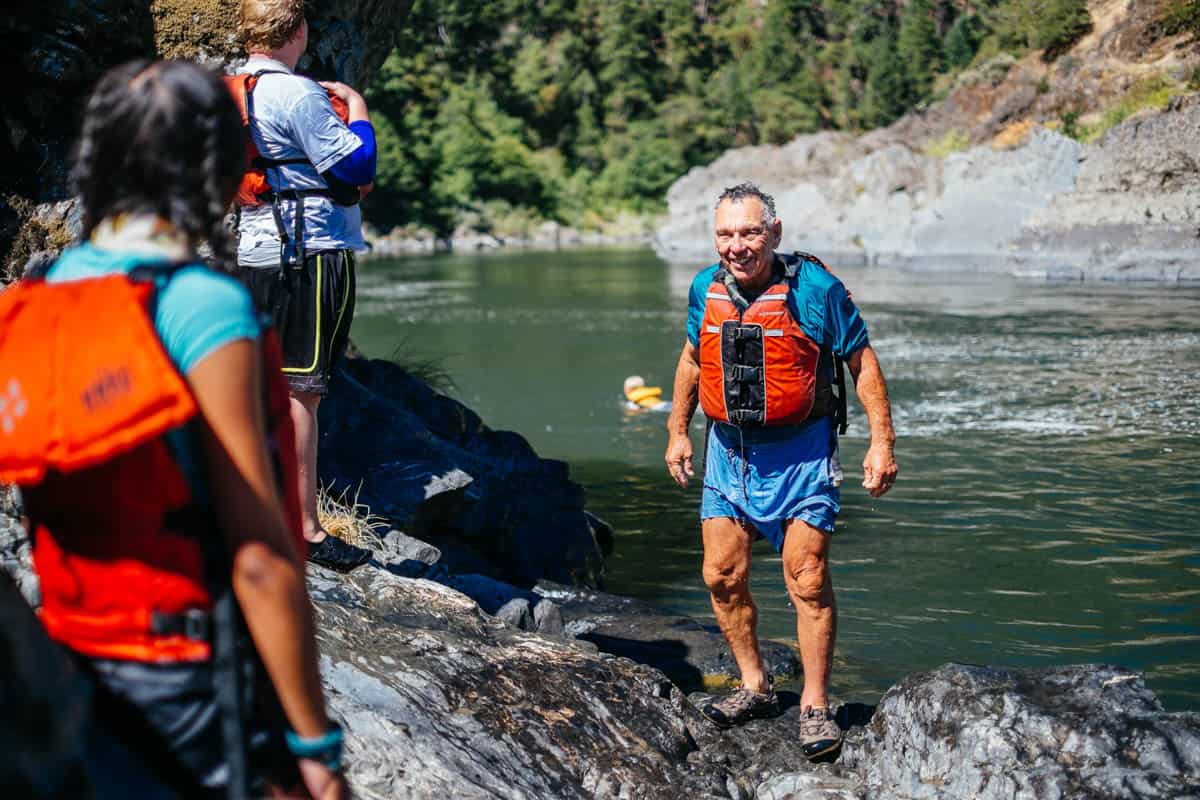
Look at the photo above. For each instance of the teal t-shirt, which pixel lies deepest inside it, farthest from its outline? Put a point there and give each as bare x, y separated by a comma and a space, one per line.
198, 310
818, 301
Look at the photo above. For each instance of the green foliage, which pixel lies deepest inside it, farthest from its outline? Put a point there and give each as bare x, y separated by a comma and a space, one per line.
962, 40
955, 141
1151, 92
1181, 16
919, 48
1049, 25
888, 92
1070, 125
496, 114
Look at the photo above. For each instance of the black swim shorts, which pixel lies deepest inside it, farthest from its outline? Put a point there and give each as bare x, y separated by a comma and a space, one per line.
167, 715
311, 308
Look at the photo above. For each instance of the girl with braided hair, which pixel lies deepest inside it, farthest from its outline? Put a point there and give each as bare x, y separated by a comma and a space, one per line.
139, 554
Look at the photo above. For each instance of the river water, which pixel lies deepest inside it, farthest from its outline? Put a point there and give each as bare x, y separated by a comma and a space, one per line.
1048, 436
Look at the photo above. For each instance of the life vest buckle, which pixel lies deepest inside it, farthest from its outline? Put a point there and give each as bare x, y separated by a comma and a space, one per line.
194, 624
752, 333
745, 374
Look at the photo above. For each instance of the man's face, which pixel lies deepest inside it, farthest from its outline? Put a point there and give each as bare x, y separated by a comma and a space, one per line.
745, 244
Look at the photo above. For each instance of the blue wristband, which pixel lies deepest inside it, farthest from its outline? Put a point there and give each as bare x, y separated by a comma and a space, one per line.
326, 748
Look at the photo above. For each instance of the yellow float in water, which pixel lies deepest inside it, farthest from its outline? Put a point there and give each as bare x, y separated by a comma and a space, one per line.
639, 396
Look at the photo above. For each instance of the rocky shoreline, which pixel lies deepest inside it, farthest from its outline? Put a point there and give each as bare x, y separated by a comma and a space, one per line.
1122, 209
547, 236
462, 669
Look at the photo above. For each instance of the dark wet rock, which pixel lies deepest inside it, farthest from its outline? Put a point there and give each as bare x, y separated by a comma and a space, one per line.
429, 465
686, 651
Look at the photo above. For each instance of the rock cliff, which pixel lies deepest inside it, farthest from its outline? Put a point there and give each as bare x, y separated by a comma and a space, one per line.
1024, 198
53, 52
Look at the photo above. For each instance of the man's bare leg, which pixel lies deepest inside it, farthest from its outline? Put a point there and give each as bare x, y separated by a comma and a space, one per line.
727, 575
810, 586
304, 420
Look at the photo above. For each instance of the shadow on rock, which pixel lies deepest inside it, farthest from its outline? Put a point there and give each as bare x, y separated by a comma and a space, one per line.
668, 655
429, 465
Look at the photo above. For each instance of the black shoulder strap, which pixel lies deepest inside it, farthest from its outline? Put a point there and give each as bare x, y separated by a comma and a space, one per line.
791, 265
841, 417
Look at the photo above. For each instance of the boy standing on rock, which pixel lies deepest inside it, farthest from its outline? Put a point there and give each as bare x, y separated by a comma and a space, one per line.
300, 224
764, 333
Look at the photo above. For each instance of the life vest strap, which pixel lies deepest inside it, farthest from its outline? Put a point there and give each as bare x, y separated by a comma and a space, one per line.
195, 624
745, 374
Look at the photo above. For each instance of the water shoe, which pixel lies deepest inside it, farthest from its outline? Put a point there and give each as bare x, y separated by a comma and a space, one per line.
741, 706
335, 554
820, 734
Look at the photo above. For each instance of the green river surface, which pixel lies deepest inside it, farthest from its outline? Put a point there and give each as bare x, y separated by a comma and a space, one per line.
1048, 436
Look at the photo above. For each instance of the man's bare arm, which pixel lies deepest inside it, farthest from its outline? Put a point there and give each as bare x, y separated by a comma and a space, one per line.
685, 398
879, 465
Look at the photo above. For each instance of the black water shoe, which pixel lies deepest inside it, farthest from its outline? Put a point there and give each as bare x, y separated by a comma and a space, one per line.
335, 554
741, 706
820, 735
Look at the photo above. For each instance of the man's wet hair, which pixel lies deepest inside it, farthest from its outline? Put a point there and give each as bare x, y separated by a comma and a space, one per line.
162, 138
736, 194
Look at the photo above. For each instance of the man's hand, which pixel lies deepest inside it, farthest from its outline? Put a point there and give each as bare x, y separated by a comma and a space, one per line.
879, 469
679, 458
353, 100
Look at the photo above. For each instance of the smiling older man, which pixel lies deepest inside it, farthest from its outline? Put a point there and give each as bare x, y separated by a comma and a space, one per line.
764, 335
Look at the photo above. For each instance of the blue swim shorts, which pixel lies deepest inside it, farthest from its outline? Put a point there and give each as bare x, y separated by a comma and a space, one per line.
771, 475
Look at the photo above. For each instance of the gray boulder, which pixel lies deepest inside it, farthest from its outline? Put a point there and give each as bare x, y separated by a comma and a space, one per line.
1064, 732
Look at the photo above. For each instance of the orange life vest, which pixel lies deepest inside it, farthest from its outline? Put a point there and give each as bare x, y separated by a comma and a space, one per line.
122, 548
757, 366
254, 188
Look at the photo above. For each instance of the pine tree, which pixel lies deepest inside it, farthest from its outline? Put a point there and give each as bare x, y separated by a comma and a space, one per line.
962, 41
1050, 25
920, 49
885, 98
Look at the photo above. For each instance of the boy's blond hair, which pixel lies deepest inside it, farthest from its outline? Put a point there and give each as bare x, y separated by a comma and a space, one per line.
269, 24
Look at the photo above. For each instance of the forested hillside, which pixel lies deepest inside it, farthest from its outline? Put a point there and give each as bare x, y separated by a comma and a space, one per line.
497, 114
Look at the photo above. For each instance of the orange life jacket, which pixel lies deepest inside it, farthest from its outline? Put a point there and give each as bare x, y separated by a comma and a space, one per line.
122, 548
254, 188
757, 365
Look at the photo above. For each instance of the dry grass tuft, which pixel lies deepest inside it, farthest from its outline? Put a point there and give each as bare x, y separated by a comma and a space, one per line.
349, 520
1014, 135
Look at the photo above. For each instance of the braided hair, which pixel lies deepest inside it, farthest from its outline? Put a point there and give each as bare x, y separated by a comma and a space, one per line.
162, 138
